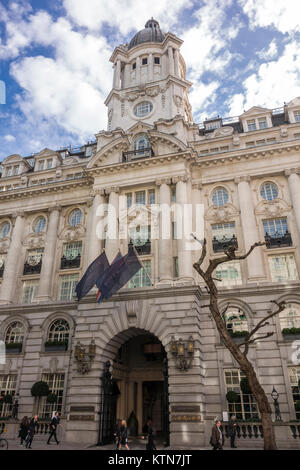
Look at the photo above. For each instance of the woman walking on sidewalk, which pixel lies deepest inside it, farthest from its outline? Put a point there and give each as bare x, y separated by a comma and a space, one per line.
24, 426
31, 431
123, 435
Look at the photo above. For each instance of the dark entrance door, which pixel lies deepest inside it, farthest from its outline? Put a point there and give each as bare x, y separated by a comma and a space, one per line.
110, 392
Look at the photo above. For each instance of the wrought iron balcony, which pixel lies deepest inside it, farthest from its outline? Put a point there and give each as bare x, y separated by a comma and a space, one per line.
221, 244
136, 154
278, 240
142, 247
32, 267
70, 262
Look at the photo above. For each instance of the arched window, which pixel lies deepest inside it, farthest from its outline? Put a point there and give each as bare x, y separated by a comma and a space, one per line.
290, 318
140, 145
236, 321
269, 191
75, 217
39, 225
59, 331
4, 229
220, 196
15, 333
143, 108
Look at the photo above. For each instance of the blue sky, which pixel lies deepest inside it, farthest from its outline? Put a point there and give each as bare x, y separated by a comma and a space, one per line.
54, 61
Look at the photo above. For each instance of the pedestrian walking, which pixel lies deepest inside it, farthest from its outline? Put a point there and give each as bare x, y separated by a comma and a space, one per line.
117, 433
150, 434
31, 431
232, 431
24, 426
123, 435
217, 437
53, 427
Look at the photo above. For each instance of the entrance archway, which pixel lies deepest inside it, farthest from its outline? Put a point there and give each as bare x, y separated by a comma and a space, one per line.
135, 386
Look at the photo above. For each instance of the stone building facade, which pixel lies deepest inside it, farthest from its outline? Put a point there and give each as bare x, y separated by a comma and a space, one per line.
244, 171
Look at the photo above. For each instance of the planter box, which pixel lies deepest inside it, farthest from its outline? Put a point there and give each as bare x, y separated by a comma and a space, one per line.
15, 350
291, 337
56, 347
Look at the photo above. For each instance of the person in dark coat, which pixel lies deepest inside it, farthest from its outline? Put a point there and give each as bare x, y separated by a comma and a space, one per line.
24, 426
123, 435
117, 433
53, 427
232, 431
31, 431
217, 436
150, 433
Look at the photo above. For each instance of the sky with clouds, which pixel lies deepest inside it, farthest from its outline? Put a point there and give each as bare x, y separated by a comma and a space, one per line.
54, 61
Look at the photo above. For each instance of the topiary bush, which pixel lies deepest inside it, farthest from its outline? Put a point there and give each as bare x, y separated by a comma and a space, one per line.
7, 399
51, 398
245, 387
40, 389
232, 396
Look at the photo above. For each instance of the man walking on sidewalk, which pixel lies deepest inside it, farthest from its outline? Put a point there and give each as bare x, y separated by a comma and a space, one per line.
53, 427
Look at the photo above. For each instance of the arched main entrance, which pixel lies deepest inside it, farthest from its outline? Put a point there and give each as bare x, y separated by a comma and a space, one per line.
135, 386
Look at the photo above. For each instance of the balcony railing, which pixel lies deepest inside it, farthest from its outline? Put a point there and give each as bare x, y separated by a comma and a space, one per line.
221, 244
135, 154
68, 263
142, 247
32, 268
278, 240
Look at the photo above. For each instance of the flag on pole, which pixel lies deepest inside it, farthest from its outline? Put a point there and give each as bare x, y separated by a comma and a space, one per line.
99, 295
88, 280
119, 273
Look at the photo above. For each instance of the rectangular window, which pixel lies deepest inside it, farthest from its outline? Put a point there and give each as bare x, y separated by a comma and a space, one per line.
9, 171
272, 140
30, 290
224, 149
140, 198
16, 170
41, 165
251, 125
129, 200
275, 227
67, 286
56, 386
283, 268
245, 408
223, 231
260, 142
297, 116
262, 123
294, 374
157, 60
250, 144
229, 273
142, 277
49, 163
144, 61
72, 250
134, 66
7, 387
175, 266
151, 196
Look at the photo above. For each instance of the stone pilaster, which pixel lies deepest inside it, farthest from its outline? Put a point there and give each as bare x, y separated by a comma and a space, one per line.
176, 62
96, 243
171, 60
165, 232
294, 187
112, 239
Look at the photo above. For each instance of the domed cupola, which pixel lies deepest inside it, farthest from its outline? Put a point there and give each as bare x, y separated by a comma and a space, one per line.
151, 33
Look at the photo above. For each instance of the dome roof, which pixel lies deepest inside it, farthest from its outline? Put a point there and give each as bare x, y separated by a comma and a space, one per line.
151, 33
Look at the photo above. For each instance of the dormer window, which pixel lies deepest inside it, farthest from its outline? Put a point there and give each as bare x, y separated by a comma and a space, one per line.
262, 123
212, 124
16, 170
251, 125
41, 165
49, 163
9, 171
297, 116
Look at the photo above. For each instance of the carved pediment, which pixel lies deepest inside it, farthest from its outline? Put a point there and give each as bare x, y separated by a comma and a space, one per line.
221, 214
294, 102
45, 153
72, 233
118, 146
272, 209
175, 144
15, 158
35, 240
255, 110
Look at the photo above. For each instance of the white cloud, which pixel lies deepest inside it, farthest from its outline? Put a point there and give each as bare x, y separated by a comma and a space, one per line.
125, 15
9, 138
270, 52
282, 14
236, 104
202, 96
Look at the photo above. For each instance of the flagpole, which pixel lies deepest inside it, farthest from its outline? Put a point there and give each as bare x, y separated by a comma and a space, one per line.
152, 284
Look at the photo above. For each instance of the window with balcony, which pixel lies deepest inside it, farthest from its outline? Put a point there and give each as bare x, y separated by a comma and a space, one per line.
30, 290
290, 320
223, 236
294, 374
56, 386
71, 255
67, 286
283, 268
245, 408
276, 233
8, 383
143, 277
251, 124
269, 191
33, 263
220, 196
229, 274
140, 237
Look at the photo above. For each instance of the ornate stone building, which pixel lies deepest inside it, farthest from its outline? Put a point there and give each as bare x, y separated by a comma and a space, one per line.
164, 353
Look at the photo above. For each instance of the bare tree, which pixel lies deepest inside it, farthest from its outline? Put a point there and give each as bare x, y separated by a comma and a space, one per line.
240, 351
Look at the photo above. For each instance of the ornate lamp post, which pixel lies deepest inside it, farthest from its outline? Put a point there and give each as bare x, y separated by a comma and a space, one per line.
275, 396
183, 351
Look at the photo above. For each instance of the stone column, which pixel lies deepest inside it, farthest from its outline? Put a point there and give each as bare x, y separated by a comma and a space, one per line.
185, 262
250, 230
117, 74
49, 256
127, 81
294, 187
150, 68
176, 60
112, 240
165, 232
96, 243
171, 60
12, 262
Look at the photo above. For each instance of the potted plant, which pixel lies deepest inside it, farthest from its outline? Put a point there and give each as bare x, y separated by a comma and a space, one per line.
291, 333
40, 389
51, 398
56, 345
13, 348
